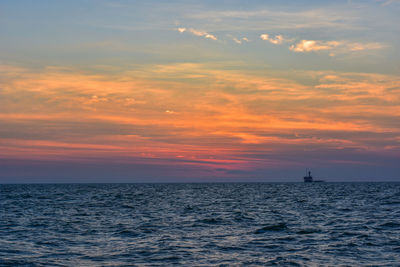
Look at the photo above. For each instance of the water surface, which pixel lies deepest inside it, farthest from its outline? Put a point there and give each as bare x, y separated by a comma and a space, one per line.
292, 224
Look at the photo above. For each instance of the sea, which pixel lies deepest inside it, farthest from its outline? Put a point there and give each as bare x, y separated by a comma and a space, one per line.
200, 224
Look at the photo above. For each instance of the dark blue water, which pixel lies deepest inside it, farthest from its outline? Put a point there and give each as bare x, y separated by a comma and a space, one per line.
291, 224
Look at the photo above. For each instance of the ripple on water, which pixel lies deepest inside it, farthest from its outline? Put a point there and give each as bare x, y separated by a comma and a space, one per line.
200, 224
272, 228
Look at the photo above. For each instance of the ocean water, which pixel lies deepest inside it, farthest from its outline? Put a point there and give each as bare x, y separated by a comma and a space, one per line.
224, 224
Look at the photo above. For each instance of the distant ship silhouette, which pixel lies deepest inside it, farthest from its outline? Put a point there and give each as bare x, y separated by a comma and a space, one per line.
309, 179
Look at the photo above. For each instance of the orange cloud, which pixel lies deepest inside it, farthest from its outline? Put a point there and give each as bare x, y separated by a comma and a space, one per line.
195, 114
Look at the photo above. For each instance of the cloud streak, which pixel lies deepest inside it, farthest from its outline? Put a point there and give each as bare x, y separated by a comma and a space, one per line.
278, 39
313, 45
198, 33
241, 40
305, 46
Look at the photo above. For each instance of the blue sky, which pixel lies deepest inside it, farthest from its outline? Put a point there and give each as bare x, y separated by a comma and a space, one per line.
81, 32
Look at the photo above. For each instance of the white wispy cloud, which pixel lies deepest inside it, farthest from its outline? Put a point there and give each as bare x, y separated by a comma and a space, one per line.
210, 36
237, 40
198, 33
240, 41
305, 46
278, 39
367, 46
313, 45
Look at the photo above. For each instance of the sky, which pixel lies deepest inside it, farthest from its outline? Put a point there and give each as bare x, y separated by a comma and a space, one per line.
199, 91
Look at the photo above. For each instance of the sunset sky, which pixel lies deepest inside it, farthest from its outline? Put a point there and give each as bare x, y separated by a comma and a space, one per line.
159, 91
